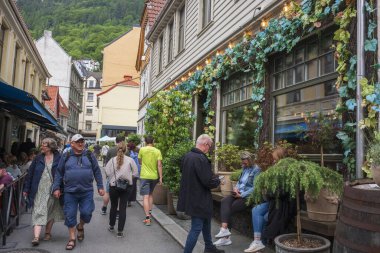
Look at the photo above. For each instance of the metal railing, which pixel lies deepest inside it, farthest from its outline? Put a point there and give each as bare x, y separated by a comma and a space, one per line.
11, 203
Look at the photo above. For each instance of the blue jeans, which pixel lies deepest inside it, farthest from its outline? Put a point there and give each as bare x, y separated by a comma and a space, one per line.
259, 216
85, 201
198, 225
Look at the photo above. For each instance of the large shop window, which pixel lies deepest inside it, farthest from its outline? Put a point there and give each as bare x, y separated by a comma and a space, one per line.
303, 83
238, 117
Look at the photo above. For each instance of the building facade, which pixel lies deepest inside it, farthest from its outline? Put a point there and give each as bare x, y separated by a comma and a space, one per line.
119, 58
118, 108
22, 75
188, 35
150, 12
64, 75
88, 122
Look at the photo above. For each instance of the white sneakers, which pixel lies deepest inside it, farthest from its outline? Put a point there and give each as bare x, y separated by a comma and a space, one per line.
255, 246
223, 232
223, 241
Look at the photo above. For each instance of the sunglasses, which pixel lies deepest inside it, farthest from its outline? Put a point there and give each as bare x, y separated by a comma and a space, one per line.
79, 141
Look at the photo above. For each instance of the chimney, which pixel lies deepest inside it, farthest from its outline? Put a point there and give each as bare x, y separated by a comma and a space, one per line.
127, 78
47, 33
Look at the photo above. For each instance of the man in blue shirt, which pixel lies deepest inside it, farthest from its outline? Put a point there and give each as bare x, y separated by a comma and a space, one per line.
236, 202
76, 172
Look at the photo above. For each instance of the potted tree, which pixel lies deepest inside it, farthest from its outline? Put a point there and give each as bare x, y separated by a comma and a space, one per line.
296, 176
228, 158
172, 172
321, 131
373, 158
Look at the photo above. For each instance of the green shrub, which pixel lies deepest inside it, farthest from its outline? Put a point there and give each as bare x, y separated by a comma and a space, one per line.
235, 175
228, 156
135, 138
171, 164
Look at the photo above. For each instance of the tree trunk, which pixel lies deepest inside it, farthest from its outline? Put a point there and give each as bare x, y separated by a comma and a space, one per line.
322, 161
298, 217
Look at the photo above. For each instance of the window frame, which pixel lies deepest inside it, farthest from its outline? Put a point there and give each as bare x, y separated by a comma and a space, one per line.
91, 82
88, 123
225, 108
206, 13
181, 29
160, 53
321, 78
170, 40
88, 96
15, 64
89, 111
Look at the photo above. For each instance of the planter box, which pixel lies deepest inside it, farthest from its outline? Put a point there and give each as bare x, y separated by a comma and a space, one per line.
225, 188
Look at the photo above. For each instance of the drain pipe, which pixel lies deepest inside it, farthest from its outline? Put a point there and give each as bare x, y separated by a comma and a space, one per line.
360, 68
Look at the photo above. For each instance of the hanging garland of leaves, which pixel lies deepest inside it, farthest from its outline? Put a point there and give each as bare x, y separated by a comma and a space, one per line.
282, 34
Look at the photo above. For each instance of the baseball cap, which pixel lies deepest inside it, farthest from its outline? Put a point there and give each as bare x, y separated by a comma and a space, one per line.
77, 137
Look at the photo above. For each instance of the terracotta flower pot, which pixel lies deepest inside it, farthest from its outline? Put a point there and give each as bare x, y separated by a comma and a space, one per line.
281, 248
324, 208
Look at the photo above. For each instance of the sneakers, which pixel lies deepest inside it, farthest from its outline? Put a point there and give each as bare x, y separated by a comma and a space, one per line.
111, 229
214, 250
147, 222
223, 241
223, 232
255, 246
104, 210
120, 235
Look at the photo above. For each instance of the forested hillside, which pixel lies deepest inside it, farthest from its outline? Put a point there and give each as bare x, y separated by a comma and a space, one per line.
82, 27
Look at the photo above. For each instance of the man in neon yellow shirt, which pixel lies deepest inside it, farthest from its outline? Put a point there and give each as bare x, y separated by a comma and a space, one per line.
150, 159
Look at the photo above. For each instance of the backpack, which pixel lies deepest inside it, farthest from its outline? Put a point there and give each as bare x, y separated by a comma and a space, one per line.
88, 154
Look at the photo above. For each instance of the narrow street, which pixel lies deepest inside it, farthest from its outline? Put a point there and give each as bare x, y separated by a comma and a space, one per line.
138, 237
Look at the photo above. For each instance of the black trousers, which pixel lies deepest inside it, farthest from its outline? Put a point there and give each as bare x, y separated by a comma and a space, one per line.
132, 196
118, 199
229, 206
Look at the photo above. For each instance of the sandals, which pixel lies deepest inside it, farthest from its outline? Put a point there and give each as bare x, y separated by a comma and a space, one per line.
47, 237
80, 234
36, 241
70, 244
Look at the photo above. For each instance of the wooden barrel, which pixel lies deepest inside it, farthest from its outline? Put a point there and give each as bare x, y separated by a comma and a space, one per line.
358, 226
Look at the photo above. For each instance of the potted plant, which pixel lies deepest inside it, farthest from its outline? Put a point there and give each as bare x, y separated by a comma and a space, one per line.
234, 177
172, 171
228, 158
293, 176
373, 158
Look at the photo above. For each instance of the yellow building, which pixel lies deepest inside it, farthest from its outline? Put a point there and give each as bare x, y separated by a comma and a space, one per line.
118, 106
119, 58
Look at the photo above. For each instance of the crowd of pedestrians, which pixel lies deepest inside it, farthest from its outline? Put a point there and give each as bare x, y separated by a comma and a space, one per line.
60, 183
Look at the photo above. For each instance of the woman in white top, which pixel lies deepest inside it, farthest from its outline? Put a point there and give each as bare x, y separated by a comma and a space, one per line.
124, 168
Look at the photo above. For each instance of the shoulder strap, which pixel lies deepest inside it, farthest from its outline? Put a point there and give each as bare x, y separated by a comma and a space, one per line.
88, 154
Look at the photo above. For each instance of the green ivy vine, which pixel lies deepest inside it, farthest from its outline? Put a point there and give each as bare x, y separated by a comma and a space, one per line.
282, 34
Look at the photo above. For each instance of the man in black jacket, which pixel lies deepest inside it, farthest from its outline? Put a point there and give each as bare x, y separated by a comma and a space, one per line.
195, 196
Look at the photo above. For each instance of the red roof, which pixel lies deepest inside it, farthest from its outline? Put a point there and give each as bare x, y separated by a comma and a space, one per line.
153, 9
63, 110
56, 103
126, 82
53, 92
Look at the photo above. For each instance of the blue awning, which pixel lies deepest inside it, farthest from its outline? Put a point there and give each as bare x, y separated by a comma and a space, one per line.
27, 107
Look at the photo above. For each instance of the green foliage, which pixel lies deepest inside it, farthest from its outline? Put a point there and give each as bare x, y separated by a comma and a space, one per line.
373, 153
235, 175
168, 119
291, 175
229, 157
171, 165
81, 27
135, 138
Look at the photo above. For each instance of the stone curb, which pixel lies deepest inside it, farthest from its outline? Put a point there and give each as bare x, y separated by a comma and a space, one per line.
177, 232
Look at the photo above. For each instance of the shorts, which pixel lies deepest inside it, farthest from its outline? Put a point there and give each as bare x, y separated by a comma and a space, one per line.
147, 186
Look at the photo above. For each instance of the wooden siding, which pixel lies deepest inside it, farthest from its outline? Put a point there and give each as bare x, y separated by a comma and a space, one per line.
229, 17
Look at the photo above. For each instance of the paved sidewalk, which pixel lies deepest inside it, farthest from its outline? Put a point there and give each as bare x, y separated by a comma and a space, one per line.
180, 228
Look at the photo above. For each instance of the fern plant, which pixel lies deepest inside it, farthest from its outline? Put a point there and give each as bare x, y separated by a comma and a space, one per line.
293, 176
